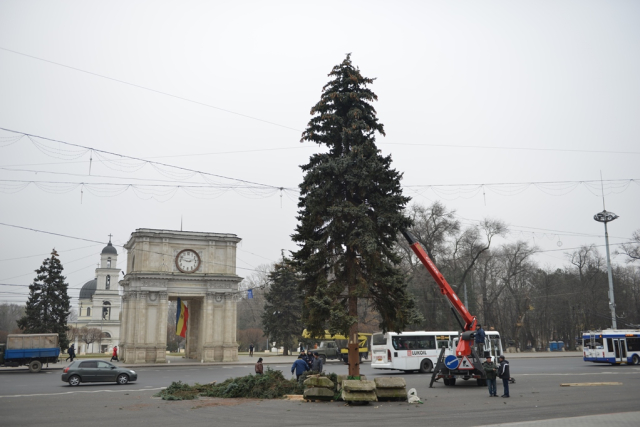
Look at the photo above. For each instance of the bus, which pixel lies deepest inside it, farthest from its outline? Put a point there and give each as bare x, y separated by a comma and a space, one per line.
615, 346
409, 351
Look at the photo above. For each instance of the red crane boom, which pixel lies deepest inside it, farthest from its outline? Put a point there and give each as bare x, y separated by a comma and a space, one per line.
464, 346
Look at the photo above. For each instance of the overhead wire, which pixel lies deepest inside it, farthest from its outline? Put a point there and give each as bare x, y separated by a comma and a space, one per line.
122, 162
299, 130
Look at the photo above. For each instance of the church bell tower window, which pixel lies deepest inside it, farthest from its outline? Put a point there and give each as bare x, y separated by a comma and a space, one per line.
109, 262
108, 285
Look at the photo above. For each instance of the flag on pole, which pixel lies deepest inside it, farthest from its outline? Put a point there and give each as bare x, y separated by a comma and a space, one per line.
182, 316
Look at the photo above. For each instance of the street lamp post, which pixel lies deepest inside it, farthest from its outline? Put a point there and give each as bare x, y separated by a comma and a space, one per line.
606, 217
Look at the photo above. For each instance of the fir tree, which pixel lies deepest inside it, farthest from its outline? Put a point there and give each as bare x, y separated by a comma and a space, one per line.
48, 304
281, 319
350, 213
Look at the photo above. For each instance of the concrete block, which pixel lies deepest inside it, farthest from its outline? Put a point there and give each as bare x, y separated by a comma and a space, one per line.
359, 396
318, 382
318, 393
390, 382
355, 385
391, 394
344, 377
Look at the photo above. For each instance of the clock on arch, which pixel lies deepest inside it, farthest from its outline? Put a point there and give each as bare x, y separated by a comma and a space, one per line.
188, 261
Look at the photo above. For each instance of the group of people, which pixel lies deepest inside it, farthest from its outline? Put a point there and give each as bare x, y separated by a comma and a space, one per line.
308, 361
490, 368
501, 371
72, 353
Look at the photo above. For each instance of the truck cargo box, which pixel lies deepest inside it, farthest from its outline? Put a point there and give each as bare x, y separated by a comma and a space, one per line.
32, 341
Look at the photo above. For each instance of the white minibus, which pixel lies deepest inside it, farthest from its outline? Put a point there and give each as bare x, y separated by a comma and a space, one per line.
409, 351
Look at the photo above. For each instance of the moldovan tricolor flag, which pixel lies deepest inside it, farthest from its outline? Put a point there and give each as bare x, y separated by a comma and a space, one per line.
182, 316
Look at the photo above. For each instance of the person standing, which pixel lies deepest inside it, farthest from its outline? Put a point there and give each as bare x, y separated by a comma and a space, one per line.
504, 374
259, 367
251, 350
115, 353
310, 358
317, 363
71, 352
480, 336
490, 369
299, 366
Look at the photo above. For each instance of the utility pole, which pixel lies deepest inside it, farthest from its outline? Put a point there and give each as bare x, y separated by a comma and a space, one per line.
606, 217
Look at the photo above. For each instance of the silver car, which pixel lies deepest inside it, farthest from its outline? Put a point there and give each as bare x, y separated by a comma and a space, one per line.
93, 371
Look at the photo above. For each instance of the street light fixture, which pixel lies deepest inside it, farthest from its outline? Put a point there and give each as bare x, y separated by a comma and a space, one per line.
606, 217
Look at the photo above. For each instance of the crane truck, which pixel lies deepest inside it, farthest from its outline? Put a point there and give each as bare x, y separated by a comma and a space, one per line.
465, 362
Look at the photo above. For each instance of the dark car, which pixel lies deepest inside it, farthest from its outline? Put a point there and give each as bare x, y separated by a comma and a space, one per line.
94, 371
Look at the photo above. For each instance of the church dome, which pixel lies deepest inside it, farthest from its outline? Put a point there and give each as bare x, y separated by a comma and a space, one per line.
109, 249
88, 289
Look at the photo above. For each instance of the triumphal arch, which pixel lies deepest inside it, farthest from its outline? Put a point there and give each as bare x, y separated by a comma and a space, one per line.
200, 269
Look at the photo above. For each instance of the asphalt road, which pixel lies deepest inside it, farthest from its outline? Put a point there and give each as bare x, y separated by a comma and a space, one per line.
39, 399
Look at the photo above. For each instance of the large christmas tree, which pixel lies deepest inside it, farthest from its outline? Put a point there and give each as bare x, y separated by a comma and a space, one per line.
283, 306
48, 304
350, 212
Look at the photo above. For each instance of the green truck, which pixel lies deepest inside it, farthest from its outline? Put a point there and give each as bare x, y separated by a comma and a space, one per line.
335, 346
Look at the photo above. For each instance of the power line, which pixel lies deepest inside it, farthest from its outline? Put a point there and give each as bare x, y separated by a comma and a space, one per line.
151, 90
120, 246
489, 147
144, 161
299, 130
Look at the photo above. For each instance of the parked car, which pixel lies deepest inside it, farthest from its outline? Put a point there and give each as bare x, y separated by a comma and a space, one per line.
94, 371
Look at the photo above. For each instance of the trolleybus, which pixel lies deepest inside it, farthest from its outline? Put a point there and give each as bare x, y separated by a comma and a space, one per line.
615, 346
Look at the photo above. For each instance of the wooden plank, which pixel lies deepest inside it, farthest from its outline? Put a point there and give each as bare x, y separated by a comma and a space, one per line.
588, 384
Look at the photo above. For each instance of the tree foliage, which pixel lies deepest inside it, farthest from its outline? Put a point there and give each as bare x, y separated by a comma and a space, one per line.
281, 318
48, 305
350, 210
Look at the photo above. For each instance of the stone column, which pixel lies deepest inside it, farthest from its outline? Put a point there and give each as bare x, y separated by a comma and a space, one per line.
161, 335
140, 335
208, 327
230, 349
218, 327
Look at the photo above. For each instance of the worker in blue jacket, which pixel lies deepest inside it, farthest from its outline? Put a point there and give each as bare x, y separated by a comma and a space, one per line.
299, 366
480, 336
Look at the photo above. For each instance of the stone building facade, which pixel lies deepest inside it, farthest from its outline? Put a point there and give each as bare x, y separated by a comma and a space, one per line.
200, 269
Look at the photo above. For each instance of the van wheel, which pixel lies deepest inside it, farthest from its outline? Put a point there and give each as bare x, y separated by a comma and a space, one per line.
426, 366
35, 366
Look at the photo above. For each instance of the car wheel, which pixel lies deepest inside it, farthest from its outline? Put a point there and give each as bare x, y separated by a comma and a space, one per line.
480, 382
35, 366
122, 379
446, 381
452, 381
74, 380
426, 366
635, 359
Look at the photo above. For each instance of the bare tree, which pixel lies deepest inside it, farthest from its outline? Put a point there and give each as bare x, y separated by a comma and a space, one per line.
89, 335
632, 249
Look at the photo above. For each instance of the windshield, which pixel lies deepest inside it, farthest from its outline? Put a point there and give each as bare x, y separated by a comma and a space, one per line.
379, 339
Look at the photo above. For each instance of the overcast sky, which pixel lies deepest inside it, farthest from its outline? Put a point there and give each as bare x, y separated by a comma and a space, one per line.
470, 92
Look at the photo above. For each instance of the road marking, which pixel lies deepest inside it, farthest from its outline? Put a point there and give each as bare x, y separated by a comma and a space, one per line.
586, 373
82, 391
587, 384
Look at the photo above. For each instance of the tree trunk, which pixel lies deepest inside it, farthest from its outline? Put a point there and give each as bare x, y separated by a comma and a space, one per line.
353, 352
